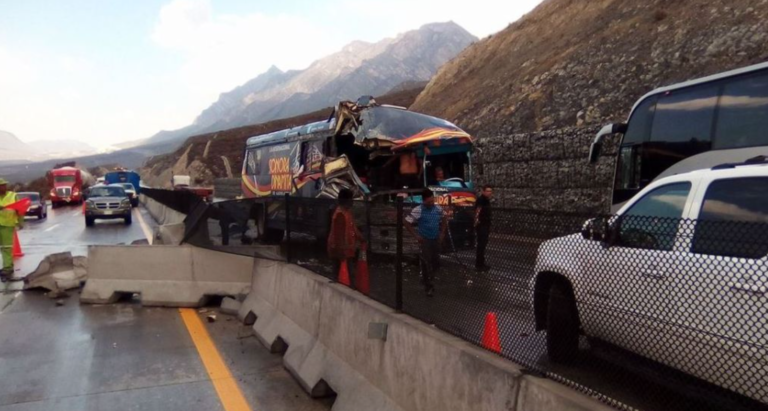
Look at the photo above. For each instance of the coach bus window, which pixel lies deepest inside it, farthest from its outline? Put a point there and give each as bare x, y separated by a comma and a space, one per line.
685, 116
743, 113
639, 129
638, 132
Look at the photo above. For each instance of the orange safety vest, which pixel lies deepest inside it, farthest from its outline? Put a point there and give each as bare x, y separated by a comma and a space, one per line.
342, 239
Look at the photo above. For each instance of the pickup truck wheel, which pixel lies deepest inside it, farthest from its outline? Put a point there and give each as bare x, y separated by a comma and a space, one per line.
562, 325
89, 221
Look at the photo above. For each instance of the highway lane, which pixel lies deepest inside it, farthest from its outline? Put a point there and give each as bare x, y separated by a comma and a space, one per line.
64, 230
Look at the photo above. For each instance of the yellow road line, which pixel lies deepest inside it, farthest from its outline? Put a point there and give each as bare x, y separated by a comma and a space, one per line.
226, 387
144, 226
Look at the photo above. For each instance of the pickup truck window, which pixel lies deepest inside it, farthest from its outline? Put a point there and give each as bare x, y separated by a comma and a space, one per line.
734, 219
652, 222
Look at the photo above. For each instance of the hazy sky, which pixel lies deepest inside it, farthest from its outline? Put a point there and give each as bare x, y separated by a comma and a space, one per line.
108, 71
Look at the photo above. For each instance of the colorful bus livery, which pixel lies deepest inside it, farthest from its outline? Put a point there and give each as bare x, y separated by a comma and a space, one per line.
379, 152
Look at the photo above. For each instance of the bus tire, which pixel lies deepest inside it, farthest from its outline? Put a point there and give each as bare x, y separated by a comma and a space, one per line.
562, 324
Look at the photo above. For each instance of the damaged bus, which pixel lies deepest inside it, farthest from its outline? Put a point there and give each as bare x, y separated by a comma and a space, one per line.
380, 152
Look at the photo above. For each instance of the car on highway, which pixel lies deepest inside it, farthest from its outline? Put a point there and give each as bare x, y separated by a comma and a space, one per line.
108, 202
130, 190
679, 276
38, 208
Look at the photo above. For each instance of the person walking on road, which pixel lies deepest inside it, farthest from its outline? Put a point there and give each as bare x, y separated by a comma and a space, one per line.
483, 226
345, 238
431, 223
8, 222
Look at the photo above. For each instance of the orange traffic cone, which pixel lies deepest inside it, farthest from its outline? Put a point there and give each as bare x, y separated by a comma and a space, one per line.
17, 246
344, 274
361, 274
491, 339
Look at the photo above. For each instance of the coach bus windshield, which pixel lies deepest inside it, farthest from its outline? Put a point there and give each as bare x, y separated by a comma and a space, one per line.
391, 123
693, 127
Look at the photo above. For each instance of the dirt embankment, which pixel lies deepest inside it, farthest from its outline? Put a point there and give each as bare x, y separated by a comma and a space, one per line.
584, 62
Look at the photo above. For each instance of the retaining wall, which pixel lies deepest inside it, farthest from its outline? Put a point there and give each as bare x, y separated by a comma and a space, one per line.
323, 328
548, 170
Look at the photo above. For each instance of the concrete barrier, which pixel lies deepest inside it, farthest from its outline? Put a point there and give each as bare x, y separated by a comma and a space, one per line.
162, 214
169, 276
323, 330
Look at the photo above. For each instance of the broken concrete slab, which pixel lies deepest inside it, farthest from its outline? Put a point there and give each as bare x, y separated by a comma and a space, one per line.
165, 275
230, 306
58, 272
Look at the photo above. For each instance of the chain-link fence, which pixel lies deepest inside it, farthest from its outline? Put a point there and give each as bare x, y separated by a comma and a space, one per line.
639, 312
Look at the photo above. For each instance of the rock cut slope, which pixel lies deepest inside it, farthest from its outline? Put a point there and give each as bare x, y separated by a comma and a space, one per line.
583, 62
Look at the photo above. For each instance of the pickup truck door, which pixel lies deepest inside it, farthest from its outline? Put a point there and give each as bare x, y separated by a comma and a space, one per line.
628, 287
719, 287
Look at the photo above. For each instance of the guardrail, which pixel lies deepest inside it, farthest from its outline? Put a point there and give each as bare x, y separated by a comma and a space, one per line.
640, 312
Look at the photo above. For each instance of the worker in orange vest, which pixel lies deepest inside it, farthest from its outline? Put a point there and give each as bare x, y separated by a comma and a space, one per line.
8, 222
345, 238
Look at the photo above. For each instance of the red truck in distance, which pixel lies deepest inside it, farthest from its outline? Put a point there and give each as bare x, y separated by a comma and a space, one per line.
66, 185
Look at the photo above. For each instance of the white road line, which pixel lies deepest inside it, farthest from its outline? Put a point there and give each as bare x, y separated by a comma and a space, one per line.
144, 226
51, 228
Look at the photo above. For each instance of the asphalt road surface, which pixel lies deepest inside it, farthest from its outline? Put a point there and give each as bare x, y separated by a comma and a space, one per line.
64, 230
59, 355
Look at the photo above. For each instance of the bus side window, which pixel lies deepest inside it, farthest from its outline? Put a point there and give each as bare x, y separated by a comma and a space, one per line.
742, 119
328, 148
686, 116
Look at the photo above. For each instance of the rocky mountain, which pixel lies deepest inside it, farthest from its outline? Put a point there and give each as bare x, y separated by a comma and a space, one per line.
14, 150
359, 68
583, 62
219, 154
11, 148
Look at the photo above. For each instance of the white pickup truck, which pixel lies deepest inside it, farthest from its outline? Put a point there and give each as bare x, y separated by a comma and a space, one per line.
679, 275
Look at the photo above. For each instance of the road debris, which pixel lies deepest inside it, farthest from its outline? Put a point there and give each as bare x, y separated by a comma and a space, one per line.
57, 295
211, 318
230, 306
58, 272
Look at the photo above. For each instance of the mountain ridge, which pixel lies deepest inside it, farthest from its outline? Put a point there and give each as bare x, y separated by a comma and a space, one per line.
356, 69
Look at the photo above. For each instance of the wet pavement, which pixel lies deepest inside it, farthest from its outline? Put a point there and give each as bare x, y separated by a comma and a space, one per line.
123, 356
64, 230
65, 356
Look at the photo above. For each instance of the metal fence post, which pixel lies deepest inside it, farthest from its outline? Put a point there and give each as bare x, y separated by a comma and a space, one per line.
399, 258
287, 227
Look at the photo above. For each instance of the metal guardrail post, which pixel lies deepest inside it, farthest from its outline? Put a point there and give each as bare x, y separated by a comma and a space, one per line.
399, 258
287, 227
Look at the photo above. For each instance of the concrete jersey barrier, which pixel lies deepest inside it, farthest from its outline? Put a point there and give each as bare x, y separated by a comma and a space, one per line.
169, 276
162, 214
333, 341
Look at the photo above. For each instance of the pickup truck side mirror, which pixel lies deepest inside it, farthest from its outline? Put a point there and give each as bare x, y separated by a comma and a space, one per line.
603, 229
594, 230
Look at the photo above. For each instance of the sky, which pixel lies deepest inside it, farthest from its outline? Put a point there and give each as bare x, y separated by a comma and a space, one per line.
110, 71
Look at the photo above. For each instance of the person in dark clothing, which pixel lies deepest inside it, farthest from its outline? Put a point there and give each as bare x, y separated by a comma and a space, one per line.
483, 226
431, 223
